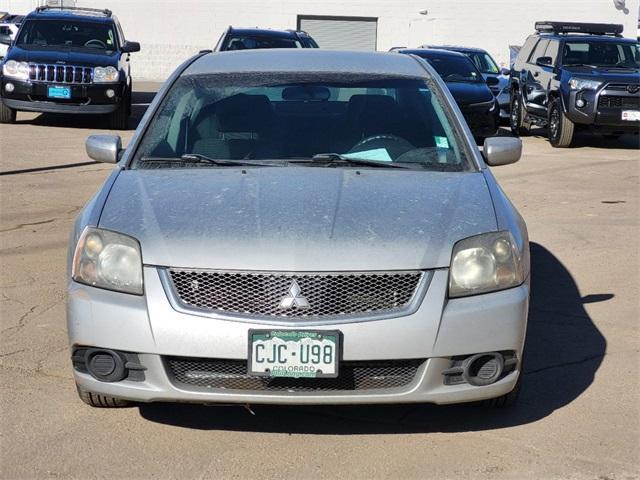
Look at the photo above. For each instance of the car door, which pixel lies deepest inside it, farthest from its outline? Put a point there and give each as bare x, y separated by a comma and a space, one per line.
534, 93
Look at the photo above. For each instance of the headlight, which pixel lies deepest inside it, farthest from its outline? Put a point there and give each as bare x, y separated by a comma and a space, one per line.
108, 260
485, 263
19, 70
105, 75
583, 84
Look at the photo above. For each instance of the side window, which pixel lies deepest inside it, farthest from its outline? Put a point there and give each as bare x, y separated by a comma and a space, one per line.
552, 51
120, 34
526, 49
538, 51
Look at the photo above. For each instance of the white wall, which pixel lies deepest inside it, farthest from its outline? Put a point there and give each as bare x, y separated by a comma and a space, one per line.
171, 30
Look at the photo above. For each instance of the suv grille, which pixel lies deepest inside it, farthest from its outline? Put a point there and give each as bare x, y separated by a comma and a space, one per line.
60, 73
260, 294
232, 375
609, 101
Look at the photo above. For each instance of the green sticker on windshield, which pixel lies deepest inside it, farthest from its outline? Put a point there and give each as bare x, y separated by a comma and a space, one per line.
441, 142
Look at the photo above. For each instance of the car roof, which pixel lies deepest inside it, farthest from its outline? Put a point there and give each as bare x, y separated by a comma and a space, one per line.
433, 52
62, 14
264, 32
585, 37
306, 60
457, 48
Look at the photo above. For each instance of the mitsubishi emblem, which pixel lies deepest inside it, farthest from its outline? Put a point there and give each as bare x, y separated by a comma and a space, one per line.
294, 298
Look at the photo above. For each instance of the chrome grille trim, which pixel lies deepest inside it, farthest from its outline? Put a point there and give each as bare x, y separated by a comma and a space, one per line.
420, 281
67, 74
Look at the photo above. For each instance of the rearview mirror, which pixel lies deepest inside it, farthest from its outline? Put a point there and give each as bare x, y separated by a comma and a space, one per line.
544, 61
130, 47
502, 150
5, 39
492, 81
104, 148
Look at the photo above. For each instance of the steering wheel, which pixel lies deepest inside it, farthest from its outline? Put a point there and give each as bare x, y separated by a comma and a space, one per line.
97, 42
395, 145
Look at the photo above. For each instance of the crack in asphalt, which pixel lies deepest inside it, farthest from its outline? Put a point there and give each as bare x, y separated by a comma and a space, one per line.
22, 225
23, 319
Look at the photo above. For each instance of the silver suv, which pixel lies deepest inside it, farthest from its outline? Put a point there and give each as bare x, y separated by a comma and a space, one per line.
299, 227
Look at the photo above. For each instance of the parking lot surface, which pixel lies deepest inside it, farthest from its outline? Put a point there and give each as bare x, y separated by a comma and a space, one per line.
578, 415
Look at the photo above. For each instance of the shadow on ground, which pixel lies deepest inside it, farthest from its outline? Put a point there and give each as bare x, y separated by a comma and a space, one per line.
564, 349
589, 139
140, 102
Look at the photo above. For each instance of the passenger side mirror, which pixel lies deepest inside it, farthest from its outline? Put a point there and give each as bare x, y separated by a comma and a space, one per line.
502, 150
505, 71
130, 47
5, 39
492, 81
104, 148
544, 61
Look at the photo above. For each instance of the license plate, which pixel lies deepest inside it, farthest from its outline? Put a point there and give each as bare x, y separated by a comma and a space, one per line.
631, 115
59, 92
294, 354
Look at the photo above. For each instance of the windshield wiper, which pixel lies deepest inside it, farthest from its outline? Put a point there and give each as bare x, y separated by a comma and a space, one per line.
196, 158
333, 158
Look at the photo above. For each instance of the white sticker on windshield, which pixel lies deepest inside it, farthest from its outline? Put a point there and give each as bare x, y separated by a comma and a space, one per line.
441, 142
379, 154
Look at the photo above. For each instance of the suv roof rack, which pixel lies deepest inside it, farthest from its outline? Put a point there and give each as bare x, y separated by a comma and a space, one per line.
104, 11
575, 27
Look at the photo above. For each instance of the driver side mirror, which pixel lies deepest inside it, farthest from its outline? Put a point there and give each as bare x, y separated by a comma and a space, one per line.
130, 47
544, 61
104, 148
5, 39
505, 71
502, 150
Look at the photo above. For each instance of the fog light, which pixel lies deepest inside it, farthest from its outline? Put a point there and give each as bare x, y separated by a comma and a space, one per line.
9, 87
580, 103
110, 93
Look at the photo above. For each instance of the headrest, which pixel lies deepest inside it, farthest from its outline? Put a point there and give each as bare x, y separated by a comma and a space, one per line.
244, 113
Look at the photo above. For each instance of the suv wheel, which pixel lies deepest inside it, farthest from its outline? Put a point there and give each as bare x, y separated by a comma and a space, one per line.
119, 119
560, 129
507, 400
7, 115
516, 117
100, 401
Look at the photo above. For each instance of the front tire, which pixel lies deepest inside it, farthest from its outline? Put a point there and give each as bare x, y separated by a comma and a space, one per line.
507, 400
559, 128
97, 400
7, 115
119, 119
517, 116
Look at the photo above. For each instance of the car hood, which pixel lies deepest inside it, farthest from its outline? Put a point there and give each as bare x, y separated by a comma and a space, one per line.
81, 57
605, 74
465, 93
298, 218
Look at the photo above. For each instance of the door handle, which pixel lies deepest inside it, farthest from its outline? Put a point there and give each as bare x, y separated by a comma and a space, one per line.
535, 74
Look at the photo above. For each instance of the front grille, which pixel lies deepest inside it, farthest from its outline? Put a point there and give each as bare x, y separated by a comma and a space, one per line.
275, 294
60, 73
621, 87
610, 101
232, 375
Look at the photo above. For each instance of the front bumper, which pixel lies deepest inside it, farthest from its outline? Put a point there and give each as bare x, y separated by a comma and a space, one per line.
85, 98
438, 330
603, 108
482, 122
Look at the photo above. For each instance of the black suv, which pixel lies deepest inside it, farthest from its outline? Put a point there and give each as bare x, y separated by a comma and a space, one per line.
252, 38
68, 60
576, 75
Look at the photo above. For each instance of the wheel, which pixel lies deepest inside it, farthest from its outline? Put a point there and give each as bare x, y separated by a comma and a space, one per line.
507, 400
119, 119
100, 401
516, 116
7, 115
559, 128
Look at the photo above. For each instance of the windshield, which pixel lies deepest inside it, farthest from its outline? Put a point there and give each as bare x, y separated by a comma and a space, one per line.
68, 33
454, 68
286, 117
251, 42
602, 54
484, 62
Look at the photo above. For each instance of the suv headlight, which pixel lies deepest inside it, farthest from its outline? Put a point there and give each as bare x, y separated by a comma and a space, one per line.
19, 70
109, 260
485, 263
105, 75
583, 84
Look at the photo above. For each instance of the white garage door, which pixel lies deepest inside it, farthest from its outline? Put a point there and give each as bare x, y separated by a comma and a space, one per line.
341, 33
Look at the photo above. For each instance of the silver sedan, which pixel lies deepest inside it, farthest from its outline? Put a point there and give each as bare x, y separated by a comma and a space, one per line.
299, 227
